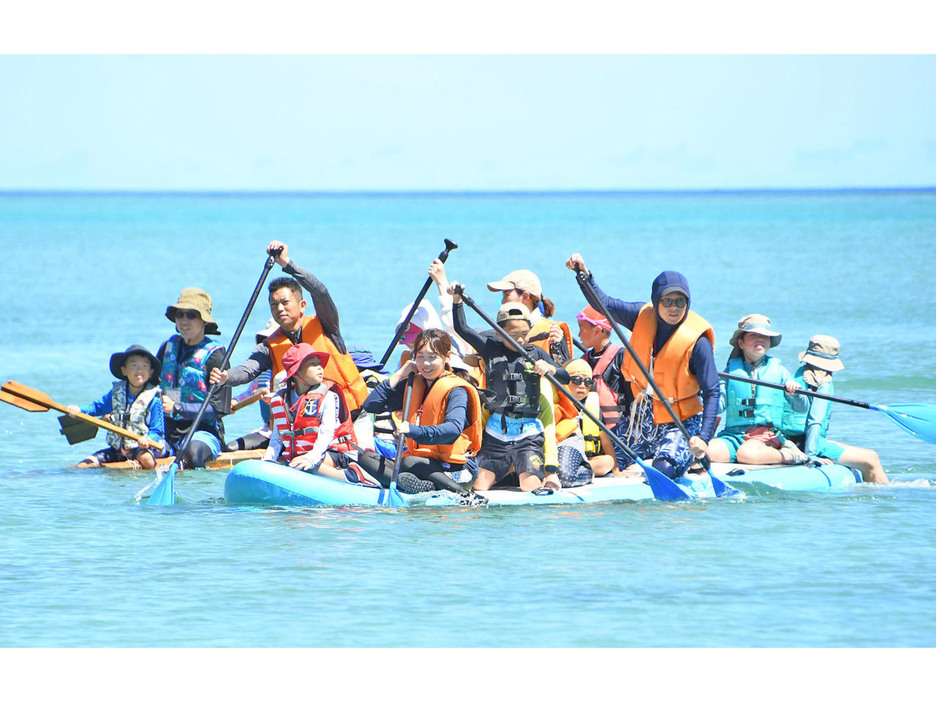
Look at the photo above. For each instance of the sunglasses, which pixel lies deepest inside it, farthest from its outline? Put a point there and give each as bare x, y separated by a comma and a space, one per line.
668, 302
587, 382
188, 314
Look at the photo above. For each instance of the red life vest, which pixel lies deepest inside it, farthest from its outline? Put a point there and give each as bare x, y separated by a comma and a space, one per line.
610, 403
298, 425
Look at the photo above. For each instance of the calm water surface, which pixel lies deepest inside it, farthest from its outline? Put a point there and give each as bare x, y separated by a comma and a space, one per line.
84, 565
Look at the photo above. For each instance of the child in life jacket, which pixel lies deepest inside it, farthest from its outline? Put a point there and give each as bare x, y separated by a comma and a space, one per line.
514, 435
754, 413
312, 428
584, 450
133, 403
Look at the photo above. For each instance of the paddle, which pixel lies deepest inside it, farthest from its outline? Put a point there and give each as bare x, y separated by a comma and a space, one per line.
721, 489
37, 401
76, 430
393, 496
164, 494
404, 325
915, 418
663, 488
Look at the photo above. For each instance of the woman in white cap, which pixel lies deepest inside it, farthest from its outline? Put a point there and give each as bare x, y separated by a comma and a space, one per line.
754, 413
807, 429
187, 358
552, 336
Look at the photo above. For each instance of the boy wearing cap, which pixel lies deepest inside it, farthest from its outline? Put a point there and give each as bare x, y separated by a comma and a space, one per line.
676, 345
606, 361
187, 358
312, 428
134, 403
807, 429
754, 413
514, 438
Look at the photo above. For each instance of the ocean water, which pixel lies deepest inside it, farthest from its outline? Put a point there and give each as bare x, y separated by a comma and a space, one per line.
85, 565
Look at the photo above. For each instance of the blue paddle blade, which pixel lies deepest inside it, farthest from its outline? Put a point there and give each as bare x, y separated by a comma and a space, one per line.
164, 494
915, 418
663, 488
394, 498
721, 489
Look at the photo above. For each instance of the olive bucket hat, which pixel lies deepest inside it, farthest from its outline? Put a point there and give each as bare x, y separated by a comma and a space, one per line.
198, 300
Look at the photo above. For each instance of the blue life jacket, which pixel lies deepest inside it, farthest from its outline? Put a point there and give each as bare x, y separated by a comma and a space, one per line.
748, 405
189, 376
794, 422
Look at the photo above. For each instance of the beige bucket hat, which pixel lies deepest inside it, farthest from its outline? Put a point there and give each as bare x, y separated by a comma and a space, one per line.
822, 352
757, 323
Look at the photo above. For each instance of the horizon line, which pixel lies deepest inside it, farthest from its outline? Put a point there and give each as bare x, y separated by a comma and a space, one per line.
459, 192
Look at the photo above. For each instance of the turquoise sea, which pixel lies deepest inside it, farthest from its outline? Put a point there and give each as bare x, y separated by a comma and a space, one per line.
85, 565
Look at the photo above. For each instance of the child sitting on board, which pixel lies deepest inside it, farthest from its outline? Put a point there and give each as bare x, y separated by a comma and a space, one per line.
584, 450
133, 403
312, 428
807, 429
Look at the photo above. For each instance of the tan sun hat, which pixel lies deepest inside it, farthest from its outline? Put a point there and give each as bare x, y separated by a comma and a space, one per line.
757, 323
823, 352
198, 300
522, 279
271, 326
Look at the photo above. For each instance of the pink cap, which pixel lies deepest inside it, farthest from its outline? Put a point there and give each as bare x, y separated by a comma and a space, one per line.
293, 358
593, 317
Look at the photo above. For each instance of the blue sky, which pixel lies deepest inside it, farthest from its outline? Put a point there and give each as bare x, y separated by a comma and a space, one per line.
468, 122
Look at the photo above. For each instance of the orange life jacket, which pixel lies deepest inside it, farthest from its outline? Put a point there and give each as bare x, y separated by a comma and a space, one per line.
670, 365
542, 327
566, 417
340, 368
298, 425
429, 410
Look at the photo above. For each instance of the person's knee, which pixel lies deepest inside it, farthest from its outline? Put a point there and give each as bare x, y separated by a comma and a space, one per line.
197, 455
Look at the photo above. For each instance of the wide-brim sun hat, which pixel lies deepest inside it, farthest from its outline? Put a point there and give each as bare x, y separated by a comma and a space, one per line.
118, 359
198, 300
823, 352
293, 358
523, 280
757, 324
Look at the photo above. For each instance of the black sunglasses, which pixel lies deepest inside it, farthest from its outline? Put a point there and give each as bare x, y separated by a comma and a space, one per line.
188, 314
587, 382
668, 302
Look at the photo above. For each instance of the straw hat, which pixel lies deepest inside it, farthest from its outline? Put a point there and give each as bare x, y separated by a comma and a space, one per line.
198, 300
523, 280
822, 352
758, 324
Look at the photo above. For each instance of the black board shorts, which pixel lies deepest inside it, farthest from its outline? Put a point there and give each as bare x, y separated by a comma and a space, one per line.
525, 455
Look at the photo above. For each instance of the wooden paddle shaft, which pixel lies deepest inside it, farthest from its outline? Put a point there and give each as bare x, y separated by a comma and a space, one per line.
40, 398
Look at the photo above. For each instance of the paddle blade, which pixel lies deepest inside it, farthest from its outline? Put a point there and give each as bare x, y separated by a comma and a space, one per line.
916, 418
394, 498
722, 489
76, 430
164, 494
663, 488
22, 402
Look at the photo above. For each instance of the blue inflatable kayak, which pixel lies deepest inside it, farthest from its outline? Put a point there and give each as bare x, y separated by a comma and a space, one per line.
254, 482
